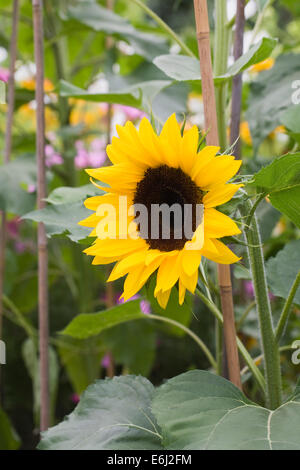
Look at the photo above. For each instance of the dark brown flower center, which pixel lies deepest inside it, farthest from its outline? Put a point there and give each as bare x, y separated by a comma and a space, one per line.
166, 187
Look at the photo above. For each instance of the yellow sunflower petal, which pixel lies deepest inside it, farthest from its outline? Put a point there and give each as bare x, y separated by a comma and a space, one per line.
205, 156
163, 298
189, 282
219, 170
181, 294
93, 202
168, 273
189, 145
137, 278
112, 248
104, 260
224, 256
220, 195
218, 225
124, 266
190, 261
170, 141
90, 221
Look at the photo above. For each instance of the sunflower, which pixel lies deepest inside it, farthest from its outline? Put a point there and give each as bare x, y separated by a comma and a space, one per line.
160, 169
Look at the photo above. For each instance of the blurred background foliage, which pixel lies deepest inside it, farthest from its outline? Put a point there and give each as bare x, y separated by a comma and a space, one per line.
109, 55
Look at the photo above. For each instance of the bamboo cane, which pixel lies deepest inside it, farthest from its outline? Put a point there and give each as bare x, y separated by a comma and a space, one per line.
202, 30
41, 194
237, 81
8, 140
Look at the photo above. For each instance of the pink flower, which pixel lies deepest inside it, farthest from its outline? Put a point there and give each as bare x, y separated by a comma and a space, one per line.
75, 398
131, 113
249, 290
106, 361
13, 227
20, 247
4, 75
31, 188
145, 307
52, 158
96, 159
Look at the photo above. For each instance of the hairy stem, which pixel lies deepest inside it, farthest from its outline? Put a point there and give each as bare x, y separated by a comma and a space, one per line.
269, 344
248, 359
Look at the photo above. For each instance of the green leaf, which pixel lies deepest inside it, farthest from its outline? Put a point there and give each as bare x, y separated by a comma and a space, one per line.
101, 19
270, 95
8, 437
180, 67
257, 53
281, 181
132, 345
13, 198
91, 324
126, 98
62, 219
139, 95
291, 118
67, 195
113, 414
195, 410
283, 269
199, 410
82, 359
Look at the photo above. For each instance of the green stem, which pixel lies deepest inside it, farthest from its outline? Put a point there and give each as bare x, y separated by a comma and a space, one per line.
196, 338
261, 356
286, 309
248, 359
269, 344
221, 48
260, 197
165, 27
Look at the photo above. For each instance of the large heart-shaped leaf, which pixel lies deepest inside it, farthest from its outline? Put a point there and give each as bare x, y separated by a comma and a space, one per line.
198, 410
112, 414
283, 269
281, 181
62, 219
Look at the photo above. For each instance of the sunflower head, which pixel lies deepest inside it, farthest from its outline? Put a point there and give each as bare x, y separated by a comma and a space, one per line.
159, 212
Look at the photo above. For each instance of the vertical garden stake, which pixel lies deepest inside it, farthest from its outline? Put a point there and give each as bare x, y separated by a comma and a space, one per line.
202, 29
41, 194
8, 137
237, 82
109, 285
